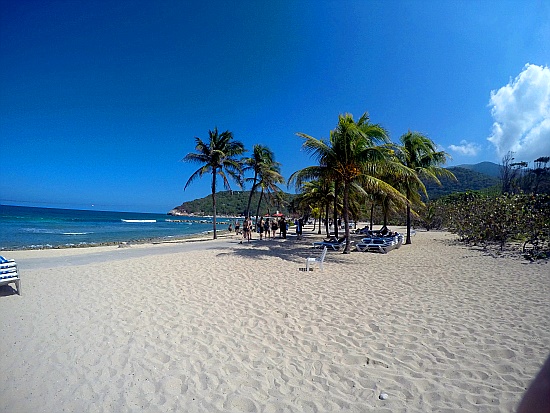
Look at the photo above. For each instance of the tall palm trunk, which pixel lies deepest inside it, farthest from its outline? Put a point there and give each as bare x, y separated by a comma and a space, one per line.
386, 208
371, 215
259, 203
408, 240
250, 194
327, 210
214, 201
335, 210
346, 216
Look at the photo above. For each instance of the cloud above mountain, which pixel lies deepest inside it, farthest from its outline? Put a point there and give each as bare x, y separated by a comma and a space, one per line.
521, 115
465, 148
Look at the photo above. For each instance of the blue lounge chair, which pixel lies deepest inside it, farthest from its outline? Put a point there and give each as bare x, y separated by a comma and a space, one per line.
380, 244
9, 274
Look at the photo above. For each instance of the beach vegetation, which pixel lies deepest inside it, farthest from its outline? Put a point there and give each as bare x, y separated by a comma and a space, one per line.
419, 153
218, 157
482, 219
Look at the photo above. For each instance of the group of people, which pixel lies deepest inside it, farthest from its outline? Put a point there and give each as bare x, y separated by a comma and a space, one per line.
267, 227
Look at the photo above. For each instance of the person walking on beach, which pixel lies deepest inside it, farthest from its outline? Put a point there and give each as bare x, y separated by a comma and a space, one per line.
261, 228
299, 223
245, 231
282, 227
274, 227
267, 229
249, 229
237, 227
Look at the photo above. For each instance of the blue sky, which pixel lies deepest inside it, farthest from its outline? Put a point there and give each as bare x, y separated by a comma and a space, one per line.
100, 100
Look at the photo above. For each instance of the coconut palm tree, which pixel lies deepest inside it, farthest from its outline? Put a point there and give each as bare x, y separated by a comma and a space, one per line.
269, 176
419, 153
356, 155
218, 157
317, 194
261, 157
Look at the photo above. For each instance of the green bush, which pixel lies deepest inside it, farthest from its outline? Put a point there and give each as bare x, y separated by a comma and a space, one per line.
481, 218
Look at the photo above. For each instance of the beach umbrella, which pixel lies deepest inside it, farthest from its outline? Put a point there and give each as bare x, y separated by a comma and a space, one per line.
278, 214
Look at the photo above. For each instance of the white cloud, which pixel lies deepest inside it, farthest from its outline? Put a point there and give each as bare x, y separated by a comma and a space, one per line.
521, 114
465, 148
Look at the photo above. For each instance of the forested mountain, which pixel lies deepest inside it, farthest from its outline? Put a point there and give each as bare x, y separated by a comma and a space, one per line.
487, 168
233, 203
467, 180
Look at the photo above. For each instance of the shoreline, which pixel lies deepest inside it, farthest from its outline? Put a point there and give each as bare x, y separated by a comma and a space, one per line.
154, 240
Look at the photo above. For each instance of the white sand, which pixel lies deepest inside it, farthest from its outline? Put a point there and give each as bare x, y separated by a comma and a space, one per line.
239, 328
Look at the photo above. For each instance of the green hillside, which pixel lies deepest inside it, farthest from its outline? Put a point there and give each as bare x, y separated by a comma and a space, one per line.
467, 180
487, 168
234, 204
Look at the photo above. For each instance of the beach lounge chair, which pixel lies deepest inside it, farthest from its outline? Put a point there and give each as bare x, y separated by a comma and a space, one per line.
382, 245
9, 274
319, 260
334, 244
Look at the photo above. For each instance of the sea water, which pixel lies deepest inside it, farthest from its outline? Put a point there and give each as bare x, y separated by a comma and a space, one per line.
30, 227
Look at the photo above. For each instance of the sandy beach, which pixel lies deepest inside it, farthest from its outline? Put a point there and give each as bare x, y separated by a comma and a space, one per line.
216, 326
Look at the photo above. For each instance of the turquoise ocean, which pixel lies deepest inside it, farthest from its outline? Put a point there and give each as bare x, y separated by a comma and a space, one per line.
33, 228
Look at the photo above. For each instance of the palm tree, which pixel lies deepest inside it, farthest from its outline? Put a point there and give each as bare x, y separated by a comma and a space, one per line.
218, 157
354, 157
418, 152
316, 182
269, 176
316, 194
261, 157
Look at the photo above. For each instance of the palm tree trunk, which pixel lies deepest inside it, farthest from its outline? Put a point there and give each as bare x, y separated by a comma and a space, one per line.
386, 207
259, 203
346, 216
408, 240
371, 215
247, 214
327, 209
214, 202
335, 210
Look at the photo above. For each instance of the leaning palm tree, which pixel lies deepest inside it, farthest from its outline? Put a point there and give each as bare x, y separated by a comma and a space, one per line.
261, 157
270, 176
419, 153
355, 155
218, 157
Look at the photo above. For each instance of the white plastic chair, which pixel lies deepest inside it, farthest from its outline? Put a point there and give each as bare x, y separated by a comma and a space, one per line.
9, 274
319, 260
